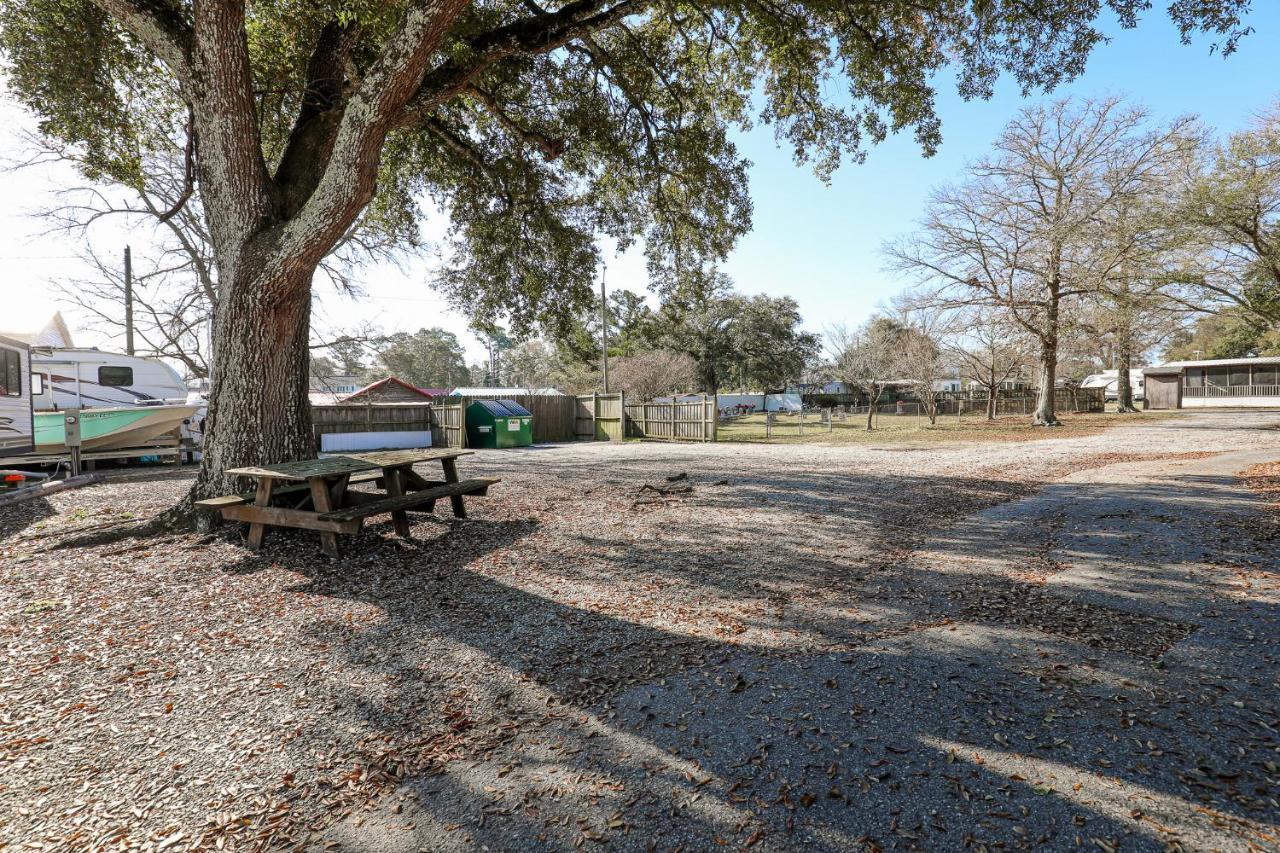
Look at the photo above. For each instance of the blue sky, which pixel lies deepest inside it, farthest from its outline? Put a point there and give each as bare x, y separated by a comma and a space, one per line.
819, 244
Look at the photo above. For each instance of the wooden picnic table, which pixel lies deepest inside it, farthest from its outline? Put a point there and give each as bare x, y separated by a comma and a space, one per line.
313, 494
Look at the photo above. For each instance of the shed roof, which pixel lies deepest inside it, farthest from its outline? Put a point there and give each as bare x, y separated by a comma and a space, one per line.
1175, 366
390, 380
506, 392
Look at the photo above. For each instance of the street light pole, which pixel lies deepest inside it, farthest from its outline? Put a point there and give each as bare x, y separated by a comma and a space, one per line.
604, 328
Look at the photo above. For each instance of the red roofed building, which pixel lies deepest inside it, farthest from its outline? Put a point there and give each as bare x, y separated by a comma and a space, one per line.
391, 390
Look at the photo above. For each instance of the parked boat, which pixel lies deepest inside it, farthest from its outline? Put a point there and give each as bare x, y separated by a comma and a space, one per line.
111, 429
93, 379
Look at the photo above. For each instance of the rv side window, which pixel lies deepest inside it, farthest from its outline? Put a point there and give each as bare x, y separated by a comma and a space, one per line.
115, 377
11, 375
37, 384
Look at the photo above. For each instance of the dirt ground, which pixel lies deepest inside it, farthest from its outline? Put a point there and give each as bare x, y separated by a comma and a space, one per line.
1039, 644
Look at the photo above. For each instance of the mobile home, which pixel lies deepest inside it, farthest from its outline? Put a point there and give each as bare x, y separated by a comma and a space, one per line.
17, 420
1214, 383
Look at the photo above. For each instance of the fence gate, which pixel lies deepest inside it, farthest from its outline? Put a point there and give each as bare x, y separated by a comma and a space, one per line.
598, 417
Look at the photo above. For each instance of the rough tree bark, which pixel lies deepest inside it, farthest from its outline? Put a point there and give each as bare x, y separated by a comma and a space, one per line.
258, 408
1124, 388
1045, 414
1048, 377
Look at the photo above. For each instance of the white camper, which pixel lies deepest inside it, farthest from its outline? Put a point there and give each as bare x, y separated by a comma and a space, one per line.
17, 422
89, 378
1110, 380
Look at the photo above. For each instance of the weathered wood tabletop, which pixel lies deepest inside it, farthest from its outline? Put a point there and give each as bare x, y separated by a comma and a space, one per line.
306, 469
397, 458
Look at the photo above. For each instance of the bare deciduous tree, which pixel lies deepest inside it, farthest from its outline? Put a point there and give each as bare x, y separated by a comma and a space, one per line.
651, 374
867, 358
920, 362
990, 351
1022, 234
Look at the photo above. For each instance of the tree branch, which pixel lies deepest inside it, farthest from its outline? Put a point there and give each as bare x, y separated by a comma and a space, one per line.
540, 33
159, 25
349, 177
188, 169
312, 136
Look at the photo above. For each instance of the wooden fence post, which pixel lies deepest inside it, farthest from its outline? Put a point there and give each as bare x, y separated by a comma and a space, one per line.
622, 415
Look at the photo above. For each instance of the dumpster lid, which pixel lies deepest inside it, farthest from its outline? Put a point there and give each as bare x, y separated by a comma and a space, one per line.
515, 408
494, 407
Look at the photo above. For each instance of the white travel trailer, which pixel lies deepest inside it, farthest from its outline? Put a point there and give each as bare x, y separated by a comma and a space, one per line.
89, 378
17, 421
1110, 380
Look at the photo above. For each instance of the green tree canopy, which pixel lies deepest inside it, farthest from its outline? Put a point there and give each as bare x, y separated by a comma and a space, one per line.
748, 342
428, 358
536, 127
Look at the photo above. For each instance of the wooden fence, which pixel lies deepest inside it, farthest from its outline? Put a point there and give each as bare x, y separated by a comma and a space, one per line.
598, 417
588, 417
687, 420
371, 418
553, 418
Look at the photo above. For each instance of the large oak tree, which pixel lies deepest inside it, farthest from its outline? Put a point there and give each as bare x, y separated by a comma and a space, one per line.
533, 127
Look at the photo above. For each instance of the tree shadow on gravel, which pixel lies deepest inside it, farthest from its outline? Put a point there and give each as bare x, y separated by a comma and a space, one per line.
931, 739
18, 517
983, 710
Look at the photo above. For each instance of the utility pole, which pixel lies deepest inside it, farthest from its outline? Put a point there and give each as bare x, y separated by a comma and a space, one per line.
128, 301
604, 327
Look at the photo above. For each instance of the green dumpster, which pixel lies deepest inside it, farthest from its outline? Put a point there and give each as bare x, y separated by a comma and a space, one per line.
499, 423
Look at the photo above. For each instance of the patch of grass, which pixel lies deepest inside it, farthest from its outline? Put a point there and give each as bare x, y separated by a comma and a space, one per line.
907, 429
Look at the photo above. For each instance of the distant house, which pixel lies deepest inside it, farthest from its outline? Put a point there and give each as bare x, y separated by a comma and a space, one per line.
338, 383
1213, 383
390, 390
54, 334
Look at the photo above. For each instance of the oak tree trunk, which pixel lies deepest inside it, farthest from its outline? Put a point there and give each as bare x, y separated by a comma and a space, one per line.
259, 411
707, 376
1044, 413
1124, 389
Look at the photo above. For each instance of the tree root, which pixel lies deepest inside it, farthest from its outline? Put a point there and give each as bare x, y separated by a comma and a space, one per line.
169, 522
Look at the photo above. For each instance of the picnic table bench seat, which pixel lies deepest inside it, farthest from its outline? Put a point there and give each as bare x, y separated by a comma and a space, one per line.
476, 486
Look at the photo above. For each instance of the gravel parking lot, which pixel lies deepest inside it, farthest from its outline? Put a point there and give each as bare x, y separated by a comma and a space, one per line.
1058, 643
